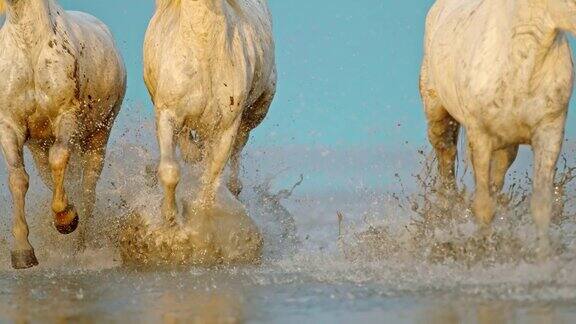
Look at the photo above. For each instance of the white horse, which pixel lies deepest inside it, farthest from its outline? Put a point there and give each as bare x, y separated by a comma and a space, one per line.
210, 69
502, 70
62, 84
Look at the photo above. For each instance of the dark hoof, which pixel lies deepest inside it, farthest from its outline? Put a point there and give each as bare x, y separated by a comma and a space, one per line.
24, 259
66, 222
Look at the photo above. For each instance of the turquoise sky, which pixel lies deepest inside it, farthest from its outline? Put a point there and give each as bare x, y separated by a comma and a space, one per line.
348, 70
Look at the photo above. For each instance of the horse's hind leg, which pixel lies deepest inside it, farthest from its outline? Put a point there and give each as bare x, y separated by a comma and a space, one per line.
249, 122
66, 218
481, 153
443, 135
501, 163
217, 155
39, 152
546, 143
234, 183
12, 146
94, 154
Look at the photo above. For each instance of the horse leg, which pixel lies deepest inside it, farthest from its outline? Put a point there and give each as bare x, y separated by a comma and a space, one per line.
93, 162
501, 163
443, 135
40, 155
217, 156
22, 251
546, 143
168, 169
481, 153
234, 183
249, 121
66, 217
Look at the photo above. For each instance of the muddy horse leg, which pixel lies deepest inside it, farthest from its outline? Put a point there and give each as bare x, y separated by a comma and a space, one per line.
250, 120
481, 154
218, 154
66, 218
546, 143
501, 163
443, 135
93, 157
168, 169
12, 146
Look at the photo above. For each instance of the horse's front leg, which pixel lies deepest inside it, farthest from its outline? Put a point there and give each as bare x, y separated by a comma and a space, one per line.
23, 256
546, 143
216, 157
168, 169
66, 218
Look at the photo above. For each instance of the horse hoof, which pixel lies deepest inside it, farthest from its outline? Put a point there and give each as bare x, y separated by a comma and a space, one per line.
235, 188
66, 222
24, 259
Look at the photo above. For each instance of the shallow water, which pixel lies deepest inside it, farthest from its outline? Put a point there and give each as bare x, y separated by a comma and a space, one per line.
247, 295
316, 283
314, 270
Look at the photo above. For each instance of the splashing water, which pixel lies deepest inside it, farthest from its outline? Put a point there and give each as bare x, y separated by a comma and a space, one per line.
401, 255
223, 234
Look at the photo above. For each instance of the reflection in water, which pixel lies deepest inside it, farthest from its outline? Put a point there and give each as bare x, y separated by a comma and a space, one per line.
494, 312
116, 296
211, 307
485, 313
239, 296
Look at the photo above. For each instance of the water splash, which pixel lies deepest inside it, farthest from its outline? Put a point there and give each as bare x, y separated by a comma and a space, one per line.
398, 243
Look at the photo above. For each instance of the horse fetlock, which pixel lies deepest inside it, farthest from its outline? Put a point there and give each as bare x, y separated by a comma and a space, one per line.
169, 209
484, 208
20, 233
541, 206
169, 174
448, 186
543, 249
59, 202
235, 186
